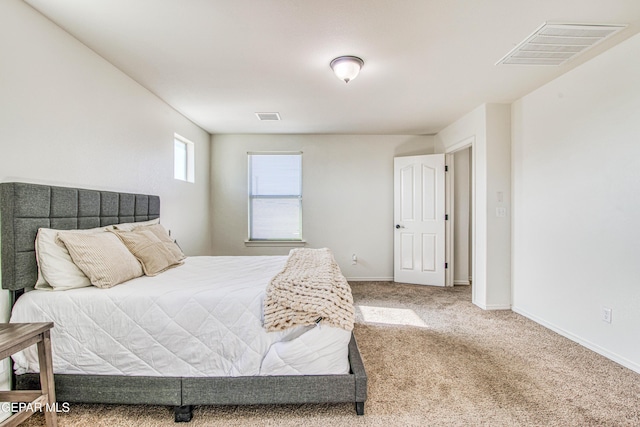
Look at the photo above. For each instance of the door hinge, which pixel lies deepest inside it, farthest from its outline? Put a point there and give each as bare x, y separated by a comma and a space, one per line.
446, 168
446, 217
446, 265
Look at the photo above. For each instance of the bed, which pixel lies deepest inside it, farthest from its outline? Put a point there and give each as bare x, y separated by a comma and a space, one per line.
190, 376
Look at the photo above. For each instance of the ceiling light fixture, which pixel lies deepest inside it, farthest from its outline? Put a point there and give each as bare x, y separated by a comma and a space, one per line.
347, 67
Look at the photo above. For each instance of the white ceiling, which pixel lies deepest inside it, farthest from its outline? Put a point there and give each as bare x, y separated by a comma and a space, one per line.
427, 62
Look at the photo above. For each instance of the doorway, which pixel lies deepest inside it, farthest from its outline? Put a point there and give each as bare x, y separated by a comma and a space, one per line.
427, 256
462, 214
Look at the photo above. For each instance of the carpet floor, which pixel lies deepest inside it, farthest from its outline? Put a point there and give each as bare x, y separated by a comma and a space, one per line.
435, 359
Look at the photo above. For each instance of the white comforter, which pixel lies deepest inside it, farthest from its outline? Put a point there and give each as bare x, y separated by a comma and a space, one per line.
200, 319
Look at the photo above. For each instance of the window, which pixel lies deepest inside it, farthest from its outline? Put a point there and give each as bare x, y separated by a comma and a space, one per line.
275, 196
183, 159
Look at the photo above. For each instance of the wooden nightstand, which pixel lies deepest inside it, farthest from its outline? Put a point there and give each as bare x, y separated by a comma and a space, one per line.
18, 336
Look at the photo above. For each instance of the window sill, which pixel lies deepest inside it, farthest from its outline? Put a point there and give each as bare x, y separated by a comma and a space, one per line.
276, 243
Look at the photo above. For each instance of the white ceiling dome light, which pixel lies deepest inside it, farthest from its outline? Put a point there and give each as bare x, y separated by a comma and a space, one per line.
347, 67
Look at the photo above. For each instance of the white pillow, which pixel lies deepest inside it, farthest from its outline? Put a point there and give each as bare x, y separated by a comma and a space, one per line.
102, 257
56, 270
128, 226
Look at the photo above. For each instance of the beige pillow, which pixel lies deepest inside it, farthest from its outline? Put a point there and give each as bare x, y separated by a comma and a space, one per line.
56, 270
149, 250
102, 257
164, 237
128, 226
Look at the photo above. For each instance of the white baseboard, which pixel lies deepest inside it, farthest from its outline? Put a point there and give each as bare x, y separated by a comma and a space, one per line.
494, 306
461, 282
370, 279
583, 342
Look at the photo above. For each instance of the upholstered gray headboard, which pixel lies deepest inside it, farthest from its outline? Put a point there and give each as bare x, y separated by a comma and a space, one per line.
26, 207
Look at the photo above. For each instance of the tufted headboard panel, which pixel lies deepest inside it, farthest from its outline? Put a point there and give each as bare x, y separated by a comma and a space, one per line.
26, 207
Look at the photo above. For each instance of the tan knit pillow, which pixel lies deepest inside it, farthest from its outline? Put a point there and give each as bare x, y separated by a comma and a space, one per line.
102, 257
149, 250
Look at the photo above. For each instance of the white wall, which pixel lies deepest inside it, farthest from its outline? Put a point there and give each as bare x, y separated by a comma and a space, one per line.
498, 193
487, 128
576, 152
347, 195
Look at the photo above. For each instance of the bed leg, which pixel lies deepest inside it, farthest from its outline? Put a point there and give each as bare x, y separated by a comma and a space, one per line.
360, 408
183, 414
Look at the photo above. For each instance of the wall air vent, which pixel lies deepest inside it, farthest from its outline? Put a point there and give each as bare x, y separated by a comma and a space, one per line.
268, 116
553, 44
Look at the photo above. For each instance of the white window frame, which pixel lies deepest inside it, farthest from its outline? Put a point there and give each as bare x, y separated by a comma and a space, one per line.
186, 163
272, 242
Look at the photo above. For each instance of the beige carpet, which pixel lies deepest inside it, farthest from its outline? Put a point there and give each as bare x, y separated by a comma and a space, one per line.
434, 359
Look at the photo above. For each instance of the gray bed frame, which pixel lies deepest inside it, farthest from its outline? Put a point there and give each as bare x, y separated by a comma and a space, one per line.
26, 207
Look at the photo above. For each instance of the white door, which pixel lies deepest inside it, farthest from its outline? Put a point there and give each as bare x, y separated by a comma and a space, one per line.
419, 219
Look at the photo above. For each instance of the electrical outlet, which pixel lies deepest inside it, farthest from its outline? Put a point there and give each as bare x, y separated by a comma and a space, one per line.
354, 259
501, 212
606, 314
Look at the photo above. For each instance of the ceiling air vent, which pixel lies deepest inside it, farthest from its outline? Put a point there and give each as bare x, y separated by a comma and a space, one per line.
268, 116
553, 44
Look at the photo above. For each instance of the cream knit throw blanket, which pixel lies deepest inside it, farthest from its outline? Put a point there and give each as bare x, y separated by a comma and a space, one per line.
309, 287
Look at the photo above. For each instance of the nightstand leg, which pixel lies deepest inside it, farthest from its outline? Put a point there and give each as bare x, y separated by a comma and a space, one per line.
46, 379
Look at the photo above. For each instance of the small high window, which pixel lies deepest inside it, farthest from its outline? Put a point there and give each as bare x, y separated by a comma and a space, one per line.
183, 159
